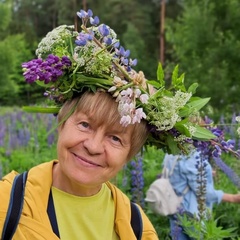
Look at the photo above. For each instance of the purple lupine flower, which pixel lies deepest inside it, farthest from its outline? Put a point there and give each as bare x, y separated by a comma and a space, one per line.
107, 40
133, 62
137, 180
94, 21
52, 59
82, 14
201, 163
47, 71
124, 61
51, 137
116, 45
89, 13
217, 151
104, 30
2, 132
32, 67
85, 16
83, 38
122, 52
66, 61
177, 230
123, 57
23, 137
228, 171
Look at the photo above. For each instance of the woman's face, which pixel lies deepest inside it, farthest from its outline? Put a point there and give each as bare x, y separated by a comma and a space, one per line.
89, 155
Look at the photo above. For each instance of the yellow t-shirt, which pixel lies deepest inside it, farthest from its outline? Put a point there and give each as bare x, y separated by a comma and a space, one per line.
88, 218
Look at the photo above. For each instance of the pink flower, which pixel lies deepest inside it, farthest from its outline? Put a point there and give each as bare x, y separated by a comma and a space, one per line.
139, 114
127, 93
144, 98
125, 120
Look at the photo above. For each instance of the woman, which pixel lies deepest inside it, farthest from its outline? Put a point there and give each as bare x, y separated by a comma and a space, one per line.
106, 113
185, 181
92, 149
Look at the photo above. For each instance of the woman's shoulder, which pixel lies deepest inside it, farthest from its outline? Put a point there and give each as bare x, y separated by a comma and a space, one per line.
5, 189
7, 181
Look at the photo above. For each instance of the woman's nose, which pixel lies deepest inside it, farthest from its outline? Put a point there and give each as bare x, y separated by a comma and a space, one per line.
94, 143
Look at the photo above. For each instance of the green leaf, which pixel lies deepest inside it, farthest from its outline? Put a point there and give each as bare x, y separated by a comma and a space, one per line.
182, 128
160, 75
200, 133
34, 109
194, 105
178, 82
154, 83
203, 134
172, 145
193, 88
175, 75
185, 111
42, 84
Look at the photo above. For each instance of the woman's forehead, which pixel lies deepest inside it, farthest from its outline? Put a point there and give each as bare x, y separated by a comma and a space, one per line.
112, 123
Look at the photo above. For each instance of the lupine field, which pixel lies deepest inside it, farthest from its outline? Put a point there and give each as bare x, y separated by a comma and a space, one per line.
29, 139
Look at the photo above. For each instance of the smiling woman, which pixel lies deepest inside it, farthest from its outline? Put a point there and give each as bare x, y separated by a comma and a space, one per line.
92, 148
106, 113
101, 108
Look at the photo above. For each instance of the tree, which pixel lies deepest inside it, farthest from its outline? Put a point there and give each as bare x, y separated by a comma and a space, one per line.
14, 50
133, 21
205, 43
5, 12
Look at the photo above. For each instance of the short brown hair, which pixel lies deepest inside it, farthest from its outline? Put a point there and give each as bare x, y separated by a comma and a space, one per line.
105, 110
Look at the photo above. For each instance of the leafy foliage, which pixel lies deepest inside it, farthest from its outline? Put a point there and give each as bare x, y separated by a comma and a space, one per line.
206, 229
11, 56
205, 43
5, 13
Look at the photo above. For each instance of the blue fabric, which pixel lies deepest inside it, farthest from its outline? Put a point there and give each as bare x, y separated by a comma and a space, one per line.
185, 174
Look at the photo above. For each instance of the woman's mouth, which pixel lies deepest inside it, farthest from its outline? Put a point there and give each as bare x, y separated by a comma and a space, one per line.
85, 162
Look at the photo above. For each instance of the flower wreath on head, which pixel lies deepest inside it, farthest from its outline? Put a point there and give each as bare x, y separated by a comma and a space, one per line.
70, 61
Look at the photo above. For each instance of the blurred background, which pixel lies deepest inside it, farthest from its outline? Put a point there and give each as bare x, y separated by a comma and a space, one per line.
201, 36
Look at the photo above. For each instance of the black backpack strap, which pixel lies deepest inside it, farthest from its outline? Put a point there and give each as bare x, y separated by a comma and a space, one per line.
136, 221
15, 206
52, 214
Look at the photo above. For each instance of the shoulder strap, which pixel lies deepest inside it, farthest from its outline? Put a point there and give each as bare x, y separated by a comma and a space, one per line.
136, 221
166, 172
52, 215
15, 206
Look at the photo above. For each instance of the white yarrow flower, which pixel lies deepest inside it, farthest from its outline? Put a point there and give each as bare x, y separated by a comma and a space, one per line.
238, 131
237, 118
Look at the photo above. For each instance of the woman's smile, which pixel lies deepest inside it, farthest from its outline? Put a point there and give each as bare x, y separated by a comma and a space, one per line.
85, 162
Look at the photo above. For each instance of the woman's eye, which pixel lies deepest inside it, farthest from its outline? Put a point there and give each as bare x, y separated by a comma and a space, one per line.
116, 139
84, 124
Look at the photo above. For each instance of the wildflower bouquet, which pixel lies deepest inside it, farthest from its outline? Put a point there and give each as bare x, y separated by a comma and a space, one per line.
70, 62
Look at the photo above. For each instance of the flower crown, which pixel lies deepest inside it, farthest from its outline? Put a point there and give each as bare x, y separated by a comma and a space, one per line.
69, 62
